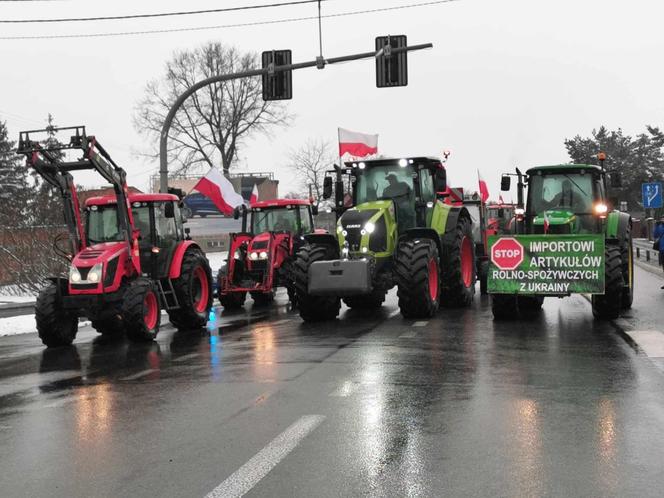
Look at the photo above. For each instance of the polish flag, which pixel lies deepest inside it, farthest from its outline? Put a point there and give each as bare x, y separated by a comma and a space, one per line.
357, 144
254, 196
219, 189
546, 222
484, 190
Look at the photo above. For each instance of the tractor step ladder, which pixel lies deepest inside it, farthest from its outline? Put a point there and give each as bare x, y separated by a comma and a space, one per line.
165, 294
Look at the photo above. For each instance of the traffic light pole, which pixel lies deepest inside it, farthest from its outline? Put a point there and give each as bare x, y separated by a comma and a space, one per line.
165, 130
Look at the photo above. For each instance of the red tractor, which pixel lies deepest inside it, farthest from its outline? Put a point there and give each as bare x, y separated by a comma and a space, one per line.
131, 257
500, 217
260, 257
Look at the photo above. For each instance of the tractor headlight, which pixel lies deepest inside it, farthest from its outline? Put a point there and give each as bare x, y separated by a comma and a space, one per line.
94, 274
369, 227
253, 256
519, 211
262, 255
74, 275
601, 209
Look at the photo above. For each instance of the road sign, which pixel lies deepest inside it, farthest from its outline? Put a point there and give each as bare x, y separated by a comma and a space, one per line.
391, 69
507, 253
652, 195
277, 85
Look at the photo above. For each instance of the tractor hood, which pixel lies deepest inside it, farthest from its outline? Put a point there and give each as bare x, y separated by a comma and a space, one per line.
260, 242
560, 221
364, 228
98, 253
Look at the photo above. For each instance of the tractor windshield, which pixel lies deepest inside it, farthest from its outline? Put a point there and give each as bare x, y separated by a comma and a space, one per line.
275, 220
102, 224
391, 182
572, 192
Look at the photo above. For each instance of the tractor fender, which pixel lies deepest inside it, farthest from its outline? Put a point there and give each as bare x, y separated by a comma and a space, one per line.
617, 225
178, 256
323, 239
452, 220
422, 233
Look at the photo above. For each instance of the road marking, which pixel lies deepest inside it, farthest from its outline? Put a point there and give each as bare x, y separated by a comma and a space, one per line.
281, 322
420, 324
393, 314
411, 334
650, 341
247, 476
346, 389
140, 374
186, 357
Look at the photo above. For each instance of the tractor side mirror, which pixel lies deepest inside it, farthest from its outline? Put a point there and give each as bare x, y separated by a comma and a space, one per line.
616, 180
440, 180
236, 213
314, 210
327, 187
505, 183
169, 210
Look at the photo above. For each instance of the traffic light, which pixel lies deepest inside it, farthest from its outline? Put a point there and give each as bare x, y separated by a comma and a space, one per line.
277, 85
391, 69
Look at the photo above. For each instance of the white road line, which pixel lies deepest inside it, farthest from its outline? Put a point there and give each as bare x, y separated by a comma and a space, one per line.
247, 476
140, 374
186, 357
420, 324
281, 322
411, 334
346, 389
650, 341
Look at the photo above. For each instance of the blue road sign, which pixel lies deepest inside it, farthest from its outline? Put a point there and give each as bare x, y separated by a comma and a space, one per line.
652, 195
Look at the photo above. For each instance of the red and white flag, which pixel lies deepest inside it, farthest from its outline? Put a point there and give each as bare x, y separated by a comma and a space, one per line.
356, 144
219, 189
546, 222
254, 196
484, 190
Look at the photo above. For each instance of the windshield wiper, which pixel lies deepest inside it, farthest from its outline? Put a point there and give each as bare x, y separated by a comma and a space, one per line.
575, 184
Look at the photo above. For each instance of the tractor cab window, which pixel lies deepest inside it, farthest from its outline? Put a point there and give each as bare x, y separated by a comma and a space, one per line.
305, 220
392, 183
141, 213
167, 233
427, 190
102, 224
274, 220
561, 192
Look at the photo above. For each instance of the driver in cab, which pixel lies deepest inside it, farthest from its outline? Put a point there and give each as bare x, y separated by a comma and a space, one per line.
400, 192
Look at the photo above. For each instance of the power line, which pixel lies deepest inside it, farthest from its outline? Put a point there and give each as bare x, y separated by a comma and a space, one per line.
160, 14
226, 26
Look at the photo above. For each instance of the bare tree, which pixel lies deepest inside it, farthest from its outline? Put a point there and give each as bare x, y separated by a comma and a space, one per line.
212, 125
309, 164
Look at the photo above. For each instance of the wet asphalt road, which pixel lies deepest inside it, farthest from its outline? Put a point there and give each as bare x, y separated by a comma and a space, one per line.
371, 404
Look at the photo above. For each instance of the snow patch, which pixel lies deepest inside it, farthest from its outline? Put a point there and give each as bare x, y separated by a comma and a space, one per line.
16, 325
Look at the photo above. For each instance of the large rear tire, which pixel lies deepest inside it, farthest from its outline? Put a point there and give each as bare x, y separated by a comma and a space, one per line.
193, 289
458, 269
141, 312
417, 272
627, 257
504, 306
55, 326
313, 308
607, 306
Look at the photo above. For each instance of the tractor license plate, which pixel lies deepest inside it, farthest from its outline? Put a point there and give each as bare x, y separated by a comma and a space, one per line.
340, 278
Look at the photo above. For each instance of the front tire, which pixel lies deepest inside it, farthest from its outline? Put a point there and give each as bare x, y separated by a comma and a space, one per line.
607, 306
193, 289
313, 308
458, 270
55, 326
417, 272
484, 277
141, 312
232, 300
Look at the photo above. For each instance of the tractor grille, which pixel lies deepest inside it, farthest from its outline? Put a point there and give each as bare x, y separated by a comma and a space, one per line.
83, 271
90, 254
111, 268
554, 229
353, 222
378, 239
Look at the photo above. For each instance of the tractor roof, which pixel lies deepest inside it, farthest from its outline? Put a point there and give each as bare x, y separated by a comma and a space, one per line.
434, 161
277, 203
566, 168
111, 199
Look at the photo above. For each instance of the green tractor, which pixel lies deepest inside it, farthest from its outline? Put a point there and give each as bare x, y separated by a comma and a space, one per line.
570, 242
393, 228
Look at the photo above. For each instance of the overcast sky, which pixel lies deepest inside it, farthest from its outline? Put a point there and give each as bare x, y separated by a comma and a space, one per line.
506, 82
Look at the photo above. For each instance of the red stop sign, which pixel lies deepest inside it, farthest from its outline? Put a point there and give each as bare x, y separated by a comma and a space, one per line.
507, 253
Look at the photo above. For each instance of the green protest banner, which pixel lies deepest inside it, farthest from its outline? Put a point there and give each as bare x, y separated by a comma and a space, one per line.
546, 264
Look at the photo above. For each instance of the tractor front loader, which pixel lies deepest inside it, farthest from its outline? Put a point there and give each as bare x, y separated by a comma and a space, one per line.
393, 228
131, 257
565, 240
